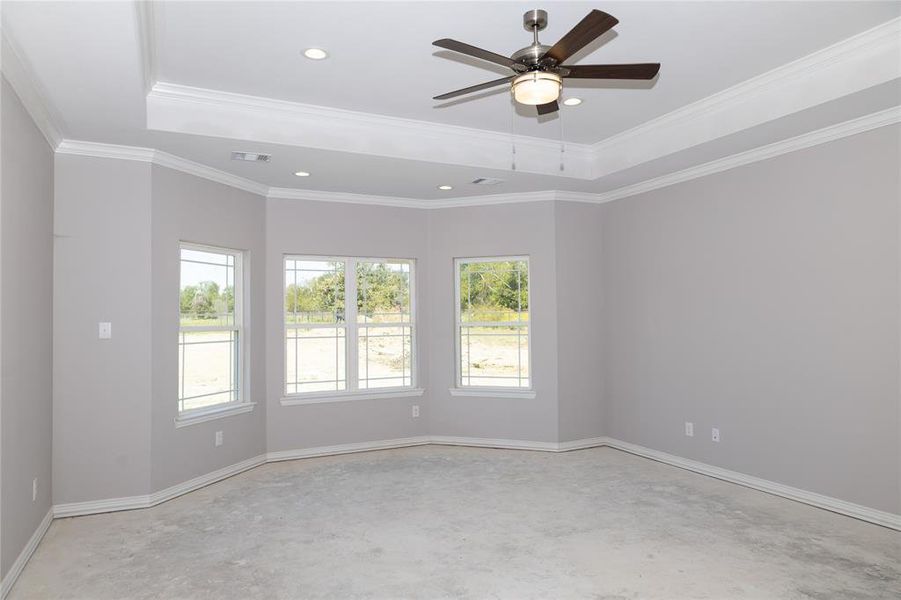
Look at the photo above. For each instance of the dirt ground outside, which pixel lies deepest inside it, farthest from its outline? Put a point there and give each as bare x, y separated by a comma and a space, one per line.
208, 363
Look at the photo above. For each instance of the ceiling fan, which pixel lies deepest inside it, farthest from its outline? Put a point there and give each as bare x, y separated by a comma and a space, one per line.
538, 70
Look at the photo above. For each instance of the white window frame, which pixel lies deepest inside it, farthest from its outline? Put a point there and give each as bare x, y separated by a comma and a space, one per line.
351, 326
240, 404
484, 391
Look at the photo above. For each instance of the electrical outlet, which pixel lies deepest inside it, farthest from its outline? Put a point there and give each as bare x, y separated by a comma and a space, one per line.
689, 429
415, 411
218, 438
715, 434
34, 489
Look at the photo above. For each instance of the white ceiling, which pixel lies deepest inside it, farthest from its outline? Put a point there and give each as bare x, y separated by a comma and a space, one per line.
382, 61
90, 62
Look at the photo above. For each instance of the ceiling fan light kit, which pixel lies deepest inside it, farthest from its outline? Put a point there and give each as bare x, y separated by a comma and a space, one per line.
538, 70
537, 87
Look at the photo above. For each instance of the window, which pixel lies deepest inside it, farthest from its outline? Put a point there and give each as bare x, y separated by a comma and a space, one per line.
349, 325
493, 322
211, 332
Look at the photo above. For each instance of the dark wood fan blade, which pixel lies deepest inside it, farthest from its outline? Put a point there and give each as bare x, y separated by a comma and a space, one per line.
595, 24
469, 50
636, 71
474, 88
550, 107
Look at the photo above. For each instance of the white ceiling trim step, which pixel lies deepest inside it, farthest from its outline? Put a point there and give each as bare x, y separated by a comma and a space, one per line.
198, 111
851, 65
882, 118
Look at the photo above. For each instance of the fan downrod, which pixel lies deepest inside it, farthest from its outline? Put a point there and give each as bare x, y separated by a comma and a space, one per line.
533, 20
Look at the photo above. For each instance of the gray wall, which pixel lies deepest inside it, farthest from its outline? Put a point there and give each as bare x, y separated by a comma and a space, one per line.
191, 209
101, 272
26, 255
322, 228
494, 231
579, 321
118, 226
764, 301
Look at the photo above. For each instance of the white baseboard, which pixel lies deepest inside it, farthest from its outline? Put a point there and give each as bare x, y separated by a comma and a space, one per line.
204, 480
850, 509
595, 442
92, 507
857, 511
16, 569
446, 440
346, 448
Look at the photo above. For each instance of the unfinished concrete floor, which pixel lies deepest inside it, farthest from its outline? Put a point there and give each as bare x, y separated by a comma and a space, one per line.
443, 522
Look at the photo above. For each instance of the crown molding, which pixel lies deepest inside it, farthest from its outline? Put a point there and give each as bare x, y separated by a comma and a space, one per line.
29, 90
461, 201
831, 133
875, 120
491, 199
162, 159
197, 111
882, 118
101, 150
851, 65
512, 198
323, 196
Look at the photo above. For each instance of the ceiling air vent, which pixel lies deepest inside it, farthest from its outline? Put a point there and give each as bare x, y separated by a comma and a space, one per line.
487, 181
251, 156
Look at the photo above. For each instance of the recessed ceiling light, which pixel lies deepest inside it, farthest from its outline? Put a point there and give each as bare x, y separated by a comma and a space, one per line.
572, 101
302, 174
445, 187
315, 53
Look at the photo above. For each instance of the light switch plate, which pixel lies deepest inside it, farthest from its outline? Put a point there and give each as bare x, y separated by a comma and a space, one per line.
105, 331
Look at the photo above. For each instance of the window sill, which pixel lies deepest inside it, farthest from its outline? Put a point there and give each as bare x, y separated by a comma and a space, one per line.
202, 415
319, 398
491, 393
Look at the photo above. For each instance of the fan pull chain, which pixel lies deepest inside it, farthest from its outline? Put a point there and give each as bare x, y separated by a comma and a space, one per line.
512, 139
562, 142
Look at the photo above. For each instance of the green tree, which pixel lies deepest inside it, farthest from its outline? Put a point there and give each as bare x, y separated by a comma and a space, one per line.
203, 301
186, 300
492, 287
381, 289
320, 299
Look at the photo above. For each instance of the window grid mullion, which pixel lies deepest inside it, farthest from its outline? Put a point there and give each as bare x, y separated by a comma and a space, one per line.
351, 370
466, 272
356, 373
232, 267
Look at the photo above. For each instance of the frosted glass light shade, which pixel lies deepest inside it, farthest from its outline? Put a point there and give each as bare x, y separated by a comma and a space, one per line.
537, 87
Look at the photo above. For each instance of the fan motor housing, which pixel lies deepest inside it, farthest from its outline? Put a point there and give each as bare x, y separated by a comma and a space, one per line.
530, 54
